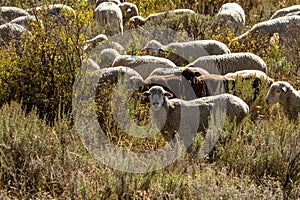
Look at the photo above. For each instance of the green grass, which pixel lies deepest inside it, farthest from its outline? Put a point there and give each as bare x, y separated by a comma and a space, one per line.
43, 157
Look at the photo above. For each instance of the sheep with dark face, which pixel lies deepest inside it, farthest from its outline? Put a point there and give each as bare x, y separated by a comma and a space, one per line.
128, 10
283, 93
182, 53
186, 118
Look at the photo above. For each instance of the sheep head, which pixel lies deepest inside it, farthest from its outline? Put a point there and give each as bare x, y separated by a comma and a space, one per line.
277, 92
157, 96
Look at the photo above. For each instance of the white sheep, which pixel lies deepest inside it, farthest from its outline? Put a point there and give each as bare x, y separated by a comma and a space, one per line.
282, 92
137, 21
182, 53
287, 26
27, 21
128, 10
143, 64
284, 11
107, 57
223, 64
174, 116
8, 13
109, 14
232, 12
98, 2
296, 13
57, 11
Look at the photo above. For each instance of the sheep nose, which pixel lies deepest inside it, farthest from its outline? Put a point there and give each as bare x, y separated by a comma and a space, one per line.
155, 104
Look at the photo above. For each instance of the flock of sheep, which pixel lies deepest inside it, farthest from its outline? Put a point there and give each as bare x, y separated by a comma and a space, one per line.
178, 77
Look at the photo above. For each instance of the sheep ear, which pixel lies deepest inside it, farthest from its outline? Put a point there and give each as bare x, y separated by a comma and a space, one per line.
146, 94
284, 89
168, 94
144, 51
162, 51
197, 74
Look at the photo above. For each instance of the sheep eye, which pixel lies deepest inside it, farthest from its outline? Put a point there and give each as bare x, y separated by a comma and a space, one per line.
277, 91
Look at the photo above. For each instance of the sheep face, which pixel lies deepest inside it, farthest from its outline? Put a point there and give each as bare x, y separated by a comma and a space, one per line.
157, 96
276, 92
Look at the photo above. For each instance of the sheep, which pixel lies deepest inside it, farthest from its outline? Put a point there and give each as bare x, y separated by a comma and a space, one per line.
107, 57
284, 11
207, 85
143, 64
185, 71
26, 21
137, 21
287, 26
98, 2
9, 13
223, 64
296, 13
232, 12
173, 83
108, 13
128, 10
186, 118
181, 53
283, 93
59, 12
11, 32
92, 43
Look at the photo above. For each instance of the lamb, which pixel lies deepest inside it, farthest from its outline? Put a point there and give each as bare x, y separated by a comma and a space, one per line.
137, 21
143, 64
283, 93
186, 118
284, 11
223, 64
232, 12
128, 10
181, 53
287, 26
108, 13
8, 13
